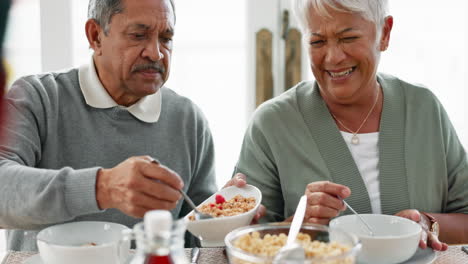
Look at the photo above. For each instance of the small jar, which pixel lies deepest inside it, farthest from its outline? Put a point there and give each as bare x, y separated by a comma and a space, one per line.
157, 246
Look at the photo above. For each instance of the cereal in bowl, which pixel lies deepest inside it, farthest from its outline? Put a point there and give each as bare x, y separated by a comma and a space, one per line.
269, 246
235, 206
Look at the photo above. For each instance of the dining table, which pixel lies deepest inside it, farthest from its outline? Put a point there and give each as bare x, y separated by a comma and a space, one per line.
454, 255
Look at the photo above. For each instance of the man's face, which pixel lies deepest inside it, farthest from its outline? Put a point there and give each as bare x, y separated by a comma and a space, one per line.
135, 54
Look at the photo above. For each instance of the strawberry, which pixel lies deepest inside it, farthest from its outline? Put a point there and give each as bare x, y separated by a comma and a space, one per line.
220, 199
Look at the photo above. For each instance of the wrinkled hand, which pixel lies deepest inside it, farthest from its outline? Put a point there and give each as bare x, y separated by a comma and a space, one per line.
240, 180
322, 201
427, 238
138, 185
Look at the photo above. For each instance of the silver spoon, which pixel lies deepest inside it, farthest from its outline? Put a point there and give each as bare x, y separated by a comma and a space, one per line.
359, 216
194, 254
198, 215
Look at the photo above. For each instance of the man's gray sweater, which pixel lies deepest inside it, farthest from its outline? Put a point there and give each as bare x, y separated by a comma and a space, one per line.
56, 143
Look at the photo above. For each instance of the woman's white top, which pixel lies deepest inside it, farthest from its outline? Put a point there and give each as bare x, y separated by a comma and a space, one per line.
366, 157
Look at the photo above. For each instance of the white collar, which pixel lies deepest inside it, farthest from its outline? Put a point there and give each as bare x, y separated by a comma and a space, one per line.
147, 109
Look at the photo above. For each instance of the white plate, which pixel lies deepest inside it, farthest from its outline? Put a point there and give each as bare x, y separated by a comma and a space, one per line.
421, 256
36, 259
425, 256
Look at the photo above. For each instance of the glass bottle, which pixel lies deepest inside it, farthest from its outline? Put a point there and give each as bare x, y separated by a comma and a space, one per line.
159, 239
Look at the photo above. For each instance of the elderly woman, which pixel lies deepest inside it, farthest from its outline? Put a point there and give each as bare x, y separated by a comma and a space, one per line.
384, 145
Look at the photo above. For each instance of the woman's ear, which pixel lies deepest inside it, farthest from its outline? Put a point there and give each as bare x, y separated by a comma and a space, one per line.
387, 29
94, 33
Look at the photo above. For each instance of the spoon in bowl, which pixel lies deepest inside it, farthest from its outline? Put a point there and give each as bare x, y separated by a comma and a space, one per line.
197, 214
293, 252
359, 216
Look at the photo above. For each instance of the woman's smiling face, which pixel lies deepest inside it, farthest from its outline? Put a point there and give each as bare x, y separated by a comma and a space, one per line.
345, 53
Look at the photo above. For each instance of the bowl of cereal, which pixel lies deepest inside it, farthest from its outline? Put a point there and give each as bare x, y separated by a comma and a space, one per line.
231, 208
395, 239
260, 244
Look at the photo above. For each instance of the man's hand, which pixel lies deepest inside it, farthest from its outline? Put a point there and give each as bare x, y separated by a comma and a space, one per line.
323, 202
240, 180
138, 185
427, 237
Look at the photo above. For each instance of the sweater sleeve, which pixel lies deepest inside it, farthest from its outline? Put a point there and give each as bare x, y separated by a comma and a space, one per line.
257, 162
31, 196
457, 169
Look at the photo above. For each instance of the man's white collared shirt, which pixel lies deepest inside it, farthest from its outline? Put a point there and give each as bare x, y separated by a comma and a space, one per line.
147, 109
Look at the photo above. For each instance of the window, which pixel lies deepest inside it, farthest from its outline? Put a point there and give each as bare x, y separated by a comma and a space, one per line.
209, 67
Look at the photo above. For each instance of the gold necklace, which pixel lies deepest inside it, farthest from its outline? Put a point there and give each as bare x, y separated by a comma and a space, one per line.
354, 138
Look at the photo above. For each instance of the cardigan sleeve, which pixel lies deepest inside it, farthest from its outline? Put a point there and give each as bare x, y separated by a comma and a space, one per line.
257, 162
457, 169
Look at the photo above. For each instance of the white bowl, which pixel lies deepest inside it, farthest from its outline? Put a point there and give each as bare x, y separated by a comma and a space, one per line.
69, 243
211, 232
395, 239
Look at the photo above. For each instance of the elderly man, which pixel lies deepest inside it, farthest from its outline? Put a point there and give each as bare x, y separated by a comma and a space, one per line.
81, 142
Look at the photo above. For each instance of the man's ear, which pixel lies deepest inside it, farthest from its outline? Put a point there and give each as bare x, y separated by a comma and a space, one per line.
387, 29
94, 33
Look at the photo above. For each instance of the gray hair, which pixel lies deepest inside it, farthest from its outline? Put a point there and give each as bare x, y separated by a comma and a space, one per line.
103, 10
372, 10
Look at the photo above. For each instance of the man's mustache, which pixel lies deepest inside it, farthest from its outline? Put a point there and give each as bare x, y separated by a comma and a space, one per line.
150, 66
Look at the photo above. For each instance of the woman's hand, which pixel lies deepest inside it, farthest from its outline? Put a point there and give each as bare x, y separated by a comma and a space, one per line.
322, 201
427, 237
240, 180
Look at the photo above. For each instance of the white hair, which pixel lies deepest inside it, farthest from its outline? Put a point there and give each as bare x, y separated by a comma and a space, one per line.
372, 10
103, 10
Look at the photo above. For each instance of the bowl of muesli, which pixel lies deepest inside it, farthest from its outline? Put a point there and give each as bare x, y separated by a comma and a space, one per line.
231, 208
261, 243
